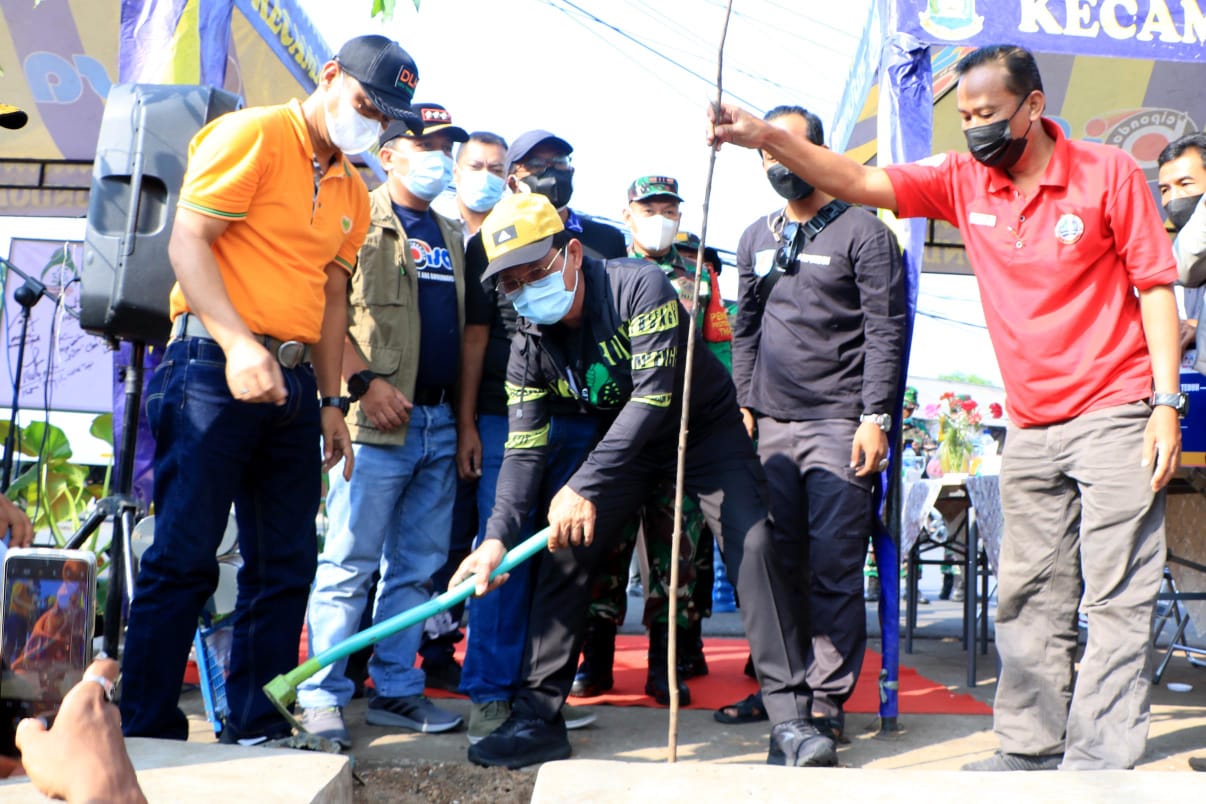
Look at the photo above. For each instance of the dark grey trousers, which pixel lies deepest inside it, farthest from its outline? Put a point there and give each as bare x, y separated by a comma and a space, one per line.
822, 518
724, 475
1080, 521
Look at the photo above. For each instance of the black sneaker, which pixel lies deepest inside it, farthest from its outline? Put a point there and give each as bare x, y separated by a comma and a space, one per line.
522, 740
1001, 761
798, 743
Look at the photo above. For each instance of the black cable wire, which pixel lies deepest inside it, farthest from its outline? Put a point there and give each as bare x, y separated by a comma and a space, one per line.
643, 45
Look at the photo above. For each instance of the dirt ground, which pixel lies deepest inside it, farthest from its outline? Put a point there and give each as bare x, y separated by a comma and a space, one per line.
443, 783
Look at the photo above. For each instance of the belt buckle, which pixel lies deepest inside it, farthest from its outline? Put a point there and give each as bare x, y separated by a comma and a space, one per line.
290, 354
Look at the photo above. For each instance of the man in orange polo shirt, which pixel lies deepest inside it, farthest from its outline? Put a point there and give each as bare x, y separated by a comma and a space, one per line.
270, 219
1075, 274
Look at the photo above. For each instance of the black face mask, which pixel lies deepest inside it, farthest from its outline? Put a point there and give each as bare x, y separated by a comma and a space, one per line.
556, 185
991, 145
1179, 210
788, 184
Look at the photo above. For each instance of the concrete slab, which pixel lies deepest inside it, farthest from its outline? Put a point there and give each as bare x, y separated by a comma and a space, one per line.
180, 772
585, 781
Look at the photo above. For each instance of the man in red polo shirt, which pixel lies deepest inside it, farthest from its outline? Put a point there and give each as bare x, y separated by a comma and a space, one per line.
1075, 275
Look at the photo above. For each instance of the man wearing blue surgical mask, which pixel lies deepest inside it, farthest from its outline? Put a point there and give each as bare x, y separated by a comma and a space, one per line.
480, 177
408, 305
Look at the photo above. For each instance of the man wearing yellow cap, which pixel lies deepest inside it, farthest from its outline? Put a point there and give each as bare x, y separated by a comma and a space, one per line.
612, 337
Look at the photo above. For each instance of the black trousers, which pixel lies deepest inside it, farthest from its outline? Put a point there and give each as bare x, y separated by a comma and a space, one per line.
726, 477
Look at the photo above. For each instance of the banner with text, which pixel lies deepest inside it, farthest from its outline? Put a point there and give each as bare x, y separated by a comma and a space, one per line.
1170, 30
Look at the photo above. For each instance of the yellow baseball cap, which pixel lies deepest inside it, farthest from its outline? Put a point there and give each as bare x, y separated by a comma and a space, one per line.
518, 230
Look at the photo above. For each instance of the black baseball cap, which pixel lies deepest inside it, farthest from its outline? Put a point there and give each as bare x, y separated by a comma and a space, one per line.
386, 72
528, 140
434, 118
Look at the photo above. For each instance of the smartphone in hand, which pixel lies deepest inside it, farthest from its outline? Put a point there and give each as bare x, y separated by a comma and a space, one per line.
47, 619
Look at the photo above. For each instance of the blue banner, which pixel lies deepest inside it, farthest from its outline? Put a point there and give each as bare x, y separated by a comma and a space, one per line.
1170, 30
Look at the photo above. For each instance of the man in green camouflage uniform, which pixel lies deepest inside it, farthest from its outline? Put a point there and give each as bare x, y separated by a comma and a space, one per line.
653, 217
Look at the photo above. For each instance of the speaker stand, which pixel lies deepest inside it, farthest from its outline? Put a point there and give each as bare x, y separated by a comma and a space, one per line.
122, 508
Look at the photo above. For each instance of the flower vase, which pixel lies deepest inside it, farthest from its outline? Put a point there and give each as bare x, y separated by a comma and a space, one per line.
954, 453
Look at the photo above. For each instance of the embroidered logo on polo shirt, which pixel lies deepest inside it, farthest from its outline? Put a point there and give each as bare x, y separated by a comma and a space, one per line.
346, 224
1069, 228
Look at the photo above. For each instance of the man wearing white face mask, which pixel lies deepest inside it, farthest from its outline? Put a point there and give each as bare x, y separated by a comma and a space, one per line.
407, 310
270, 219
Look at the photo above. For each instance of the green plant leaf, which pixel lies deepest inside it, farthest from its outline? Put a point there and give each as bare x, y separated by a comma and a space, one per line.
385, 8
23, 445
57, 445
102, 428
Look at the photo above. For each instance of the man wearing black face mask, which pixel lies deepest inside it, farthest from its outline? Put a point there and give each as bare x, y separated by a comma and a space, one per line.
1182, 181
1075, 275
816, 357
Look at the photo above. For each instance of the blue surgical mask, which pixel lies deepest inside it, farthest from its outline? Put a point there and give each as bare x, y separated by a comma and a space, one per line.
480, 190
545, 301
430, 172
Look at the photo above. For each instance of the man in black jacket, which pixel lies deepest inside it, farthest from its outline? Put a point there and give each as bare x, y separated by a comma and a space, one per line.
612, 336
816, 360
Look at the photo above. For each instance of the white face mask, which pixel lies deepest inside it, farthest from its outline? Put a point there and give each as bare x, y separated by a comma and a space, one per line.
655, 233
350, 131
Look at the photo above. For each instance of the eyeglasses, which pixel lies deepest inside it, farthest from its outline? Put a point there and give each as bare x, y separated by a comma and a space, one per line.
789, 252
538, 164
510, 287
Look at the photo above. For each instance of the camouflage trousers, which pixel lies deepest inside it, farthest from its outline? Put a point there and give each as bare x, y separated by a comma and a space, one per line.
609, 592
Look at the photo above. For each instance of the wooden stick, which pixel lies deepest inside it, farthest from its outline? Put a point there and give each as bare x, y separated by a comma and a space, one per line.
676, 539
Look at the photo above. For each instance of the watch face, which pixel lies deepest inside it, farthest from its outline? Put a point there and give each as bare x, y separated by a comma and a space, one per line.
358, 385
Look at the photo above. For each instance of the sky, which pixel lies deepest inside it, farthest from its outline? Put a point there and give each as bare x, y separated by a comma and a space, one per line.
627, 82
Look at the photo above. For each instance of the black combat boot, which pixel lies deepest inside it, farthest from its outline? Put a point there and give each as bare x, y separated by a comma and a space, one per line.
691, 661
598, 653
657, 685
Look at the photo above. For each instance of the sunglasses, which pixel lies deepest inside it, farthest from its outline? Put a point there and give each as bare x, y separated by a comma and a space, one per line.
789, 252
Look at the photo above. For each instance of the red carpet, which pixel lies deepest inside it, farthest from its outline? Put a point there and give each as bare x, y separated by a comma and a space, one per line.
726, 682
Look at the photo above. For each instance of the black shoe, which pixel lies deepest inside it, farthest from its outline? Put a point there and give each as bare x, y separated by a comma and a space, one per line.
832, 727
1001, 761
594, 676
948, 584
797, 743
520, 741
657, 683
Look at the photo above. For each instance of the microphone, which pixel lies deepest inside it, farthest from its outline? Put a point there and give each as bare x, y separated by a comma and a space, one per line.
35, 287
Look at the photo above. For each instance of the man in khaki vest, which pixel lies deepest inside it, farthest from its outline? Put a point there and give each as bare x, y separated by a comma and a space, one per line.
408, 305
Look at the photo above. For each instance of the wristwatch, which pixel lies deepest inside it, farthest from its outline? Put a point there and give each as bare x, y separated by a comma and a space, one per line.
358, 384
341, 402
882, 420
1178, 402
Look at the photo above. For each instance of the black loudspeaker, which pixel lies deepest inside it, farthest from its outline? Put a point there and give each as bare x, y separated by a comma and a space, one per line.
140, 159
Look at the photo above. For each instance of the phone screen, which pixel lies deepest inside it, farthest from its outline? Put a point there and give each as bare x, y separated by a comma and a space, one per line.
46, 634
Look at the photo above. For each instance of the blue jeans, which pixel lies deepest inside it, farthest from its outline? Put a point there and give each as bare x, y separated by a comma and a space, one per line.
212, 451
396, 515
498, 622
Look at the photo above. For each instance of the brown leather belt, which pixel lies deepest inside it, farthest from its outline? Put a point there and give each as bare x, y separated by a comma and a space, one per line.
290, 354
